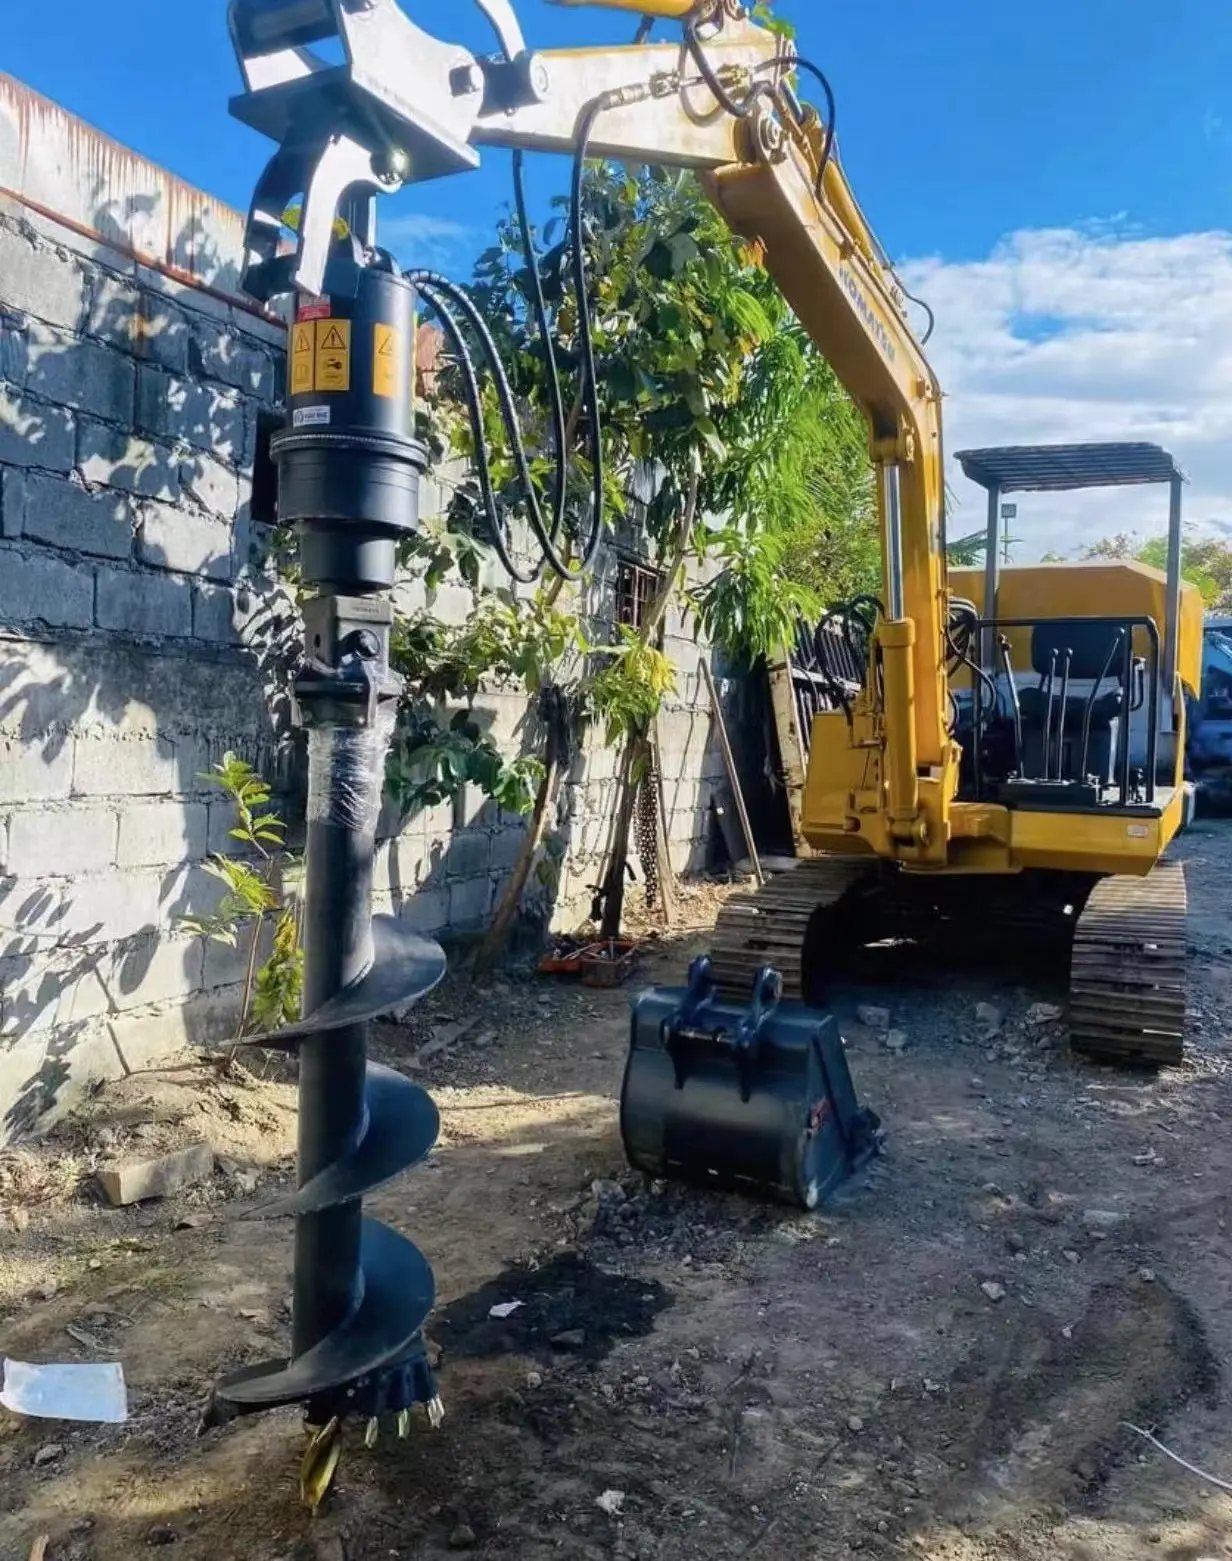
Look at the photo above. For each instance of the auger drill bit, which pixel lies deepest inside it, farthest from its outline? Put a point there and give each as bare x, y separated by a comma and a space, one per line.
348, 481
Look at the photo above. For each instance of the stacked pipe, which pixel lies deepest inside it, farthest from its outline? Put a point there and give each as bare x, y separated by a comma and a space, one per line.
349, 471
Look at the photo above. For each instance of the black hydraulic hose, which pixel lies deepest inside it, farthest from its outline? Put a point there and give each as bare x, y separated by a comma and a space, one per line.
1090, 706
1015, 705
433, 286
543, 326
1052, 686
1067, 662
741, 108
470, 389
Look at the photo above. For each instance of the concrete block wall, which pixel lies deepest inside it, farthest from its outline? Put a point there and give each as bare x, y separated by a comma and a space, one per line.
135, 382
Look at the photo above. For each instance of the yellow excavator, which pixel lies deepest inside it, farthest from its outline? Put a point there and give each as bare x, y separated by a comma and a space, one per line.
1012, 761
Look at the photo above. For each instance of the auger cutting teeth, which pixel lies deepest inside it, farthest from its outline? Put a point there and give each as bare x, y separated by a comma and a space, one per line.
374, 1361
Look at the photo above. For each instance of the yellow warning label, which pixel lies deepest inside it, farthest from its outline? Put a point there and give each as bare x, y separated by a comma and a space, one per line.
387, 361
333, 355
303, 350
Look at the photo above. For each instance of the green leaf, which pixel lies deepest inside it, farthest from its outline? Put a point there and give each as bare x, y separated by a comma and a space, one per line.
706, 428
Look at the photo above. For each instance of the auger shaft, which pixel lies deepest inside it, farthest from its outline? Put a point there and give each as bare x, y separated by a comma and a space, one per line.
348, 481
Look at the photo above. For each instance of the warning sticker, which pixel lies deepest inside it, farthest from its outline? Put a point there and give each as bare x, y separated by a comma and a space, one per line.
333, 355
387, 361
313, 308
303, 353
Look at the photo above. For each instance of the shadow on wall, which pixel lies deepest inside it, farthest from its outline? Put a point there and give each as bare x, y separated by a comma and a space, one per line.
142, 634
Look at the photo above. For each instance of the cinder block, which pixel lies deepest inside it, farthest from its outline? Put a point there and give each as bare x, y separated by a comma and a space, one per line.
225, 966
121, 460
40, 280
144, 1039
214, 614
215, 487
404, 865
85, 375
132, 767
61, 843
190, 891
206, 416
112, 309
12, 500
31, 988
437, 822
34, 434
14, 350
470, 901
428, 911
160, 834
44, 590
222, 354
451, 603
472, 810
63, 514
143, 604
468, 856
33, 771
170, 536
153, 970
136, 1181
507, 848
161, 332
109, 907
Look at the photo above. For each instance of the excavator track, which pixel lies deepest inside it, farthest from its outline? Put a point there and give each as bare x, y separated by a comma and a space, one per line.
771, 926
1127, 969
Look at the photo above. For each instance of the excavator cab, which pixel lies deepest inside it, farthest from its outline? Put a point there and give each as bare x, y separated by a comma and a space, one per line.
1069, 694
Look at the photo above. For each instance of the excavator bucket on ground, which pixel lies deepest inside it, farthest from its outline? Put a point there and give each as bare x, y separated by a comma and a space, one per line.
757, 1097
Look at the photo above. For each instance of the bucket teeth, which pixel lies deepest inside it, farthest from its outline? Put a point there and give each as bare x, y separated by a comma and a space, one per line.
375, 1361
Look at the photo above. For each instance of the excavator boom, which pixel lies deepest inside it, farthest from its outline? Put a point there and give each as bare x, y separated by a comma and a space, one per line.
722, 102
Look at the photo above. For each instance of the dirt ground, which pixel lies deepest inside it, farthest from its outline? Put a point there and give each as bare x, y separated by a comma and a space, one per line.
727, 1379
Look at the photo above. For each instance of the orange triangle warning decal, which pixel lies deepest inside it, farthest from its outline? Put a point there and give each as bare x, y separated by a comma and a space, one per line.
303, 340
385, 350
334, 341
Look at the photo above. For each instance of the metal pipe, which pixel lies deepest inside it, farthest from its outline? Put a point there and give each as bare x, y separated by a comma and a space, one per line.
1172, 606
1152, 736
892, 513
1052, 688
1127, 676
1094, 694
1015, 704
992, 547
1067, 662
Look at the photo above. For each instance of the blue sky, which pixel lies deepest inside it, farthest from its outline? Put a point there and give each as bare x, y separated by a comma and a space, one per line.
958, 122
969, 136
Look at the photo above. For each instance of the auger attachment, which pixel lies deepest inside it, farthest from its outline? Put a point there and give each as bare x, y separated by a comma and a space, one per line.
756, 1098
348, 481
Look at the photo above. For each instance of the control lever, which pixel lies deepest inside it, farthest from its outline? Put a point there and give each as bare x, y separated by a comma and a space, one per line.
1113, 651
1067, 662
1008, 666
1052, 688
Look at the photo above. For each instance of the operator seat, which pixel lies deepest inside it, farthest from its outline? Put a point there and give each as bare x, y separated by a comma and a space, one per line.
1095, 651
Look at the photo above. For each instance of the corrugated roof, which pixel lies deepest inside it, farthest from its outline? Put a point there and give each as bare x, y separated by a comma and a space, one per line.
1043, 468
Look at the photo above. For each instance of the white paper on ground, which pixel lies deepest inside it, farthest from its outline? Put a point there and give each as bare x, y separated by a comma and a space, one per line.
58, 1392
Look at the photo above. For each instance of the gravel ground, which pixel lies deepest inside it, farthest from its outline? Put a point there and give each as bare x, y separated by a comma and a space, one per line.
941, 1364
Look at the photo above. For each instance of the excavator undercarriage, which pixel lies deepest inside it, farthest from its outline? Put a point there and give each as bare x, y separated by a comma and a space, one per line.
1123, 938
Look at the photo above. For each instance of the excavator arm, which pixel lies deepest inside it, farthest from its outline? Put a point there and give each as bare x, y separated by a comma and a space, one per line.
406, 106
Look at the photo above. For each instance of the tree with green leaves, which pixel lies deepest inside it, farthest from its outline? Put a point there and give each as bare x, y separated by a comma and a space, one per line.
712, 395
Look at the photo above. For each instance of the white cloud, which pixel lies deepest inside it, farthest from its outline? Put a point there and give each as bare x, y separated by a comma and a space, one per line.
417, 239
1084, 334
